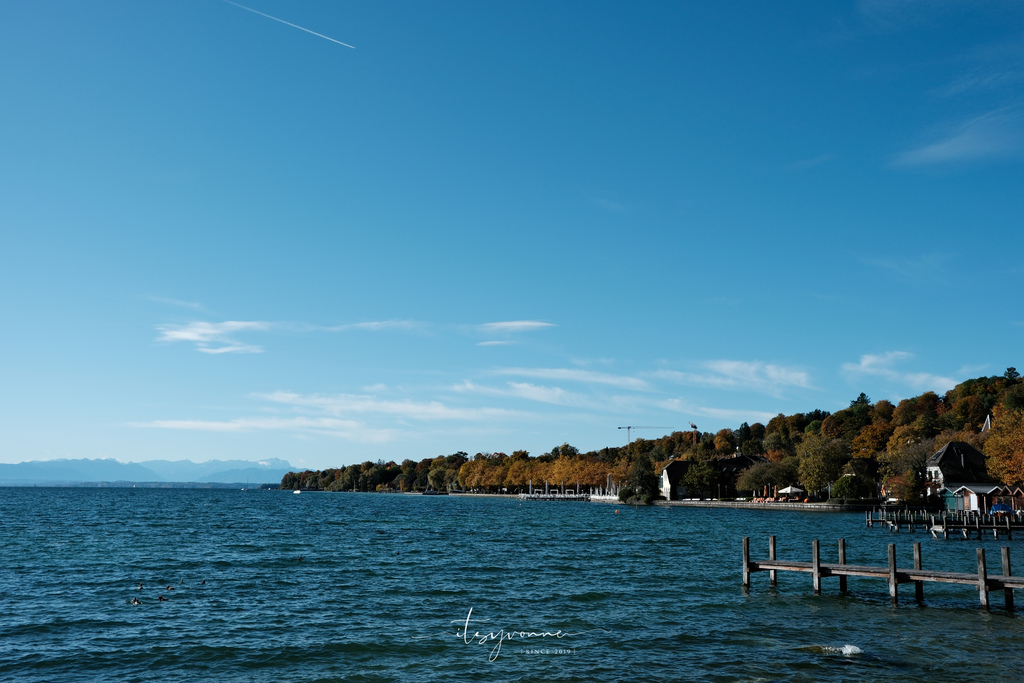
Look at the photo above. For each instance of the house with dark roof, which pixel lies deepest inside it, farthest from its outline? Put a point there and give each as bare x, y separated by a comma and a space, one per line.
727, 469
958, 474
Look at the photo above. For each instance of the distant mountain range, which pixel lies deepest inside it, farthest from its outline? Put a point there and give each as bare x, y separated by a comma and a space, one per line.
85, 471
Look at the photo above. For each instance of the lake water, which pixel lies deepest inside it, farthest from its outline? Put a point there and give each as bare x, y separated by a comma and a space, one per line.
360, 587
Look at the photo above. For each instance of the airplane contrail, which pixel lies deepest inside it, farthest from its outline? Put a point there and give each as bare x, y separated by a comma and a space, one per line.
286, 23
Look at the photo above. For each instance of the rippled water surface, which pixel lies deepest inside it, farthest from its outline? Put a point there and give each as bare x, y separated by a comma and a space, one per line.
359, 587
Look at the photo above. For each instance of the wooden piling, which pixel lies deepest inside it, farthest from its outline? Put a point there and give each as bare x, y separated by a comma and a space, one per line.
982, 579
816, 565
918, 585
746, 562
842, 560
773, 576
1007, 592
893, 585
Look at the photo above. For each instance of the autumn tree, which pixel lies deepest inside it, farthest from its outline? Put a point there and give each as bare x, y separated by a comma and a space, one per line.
725, 442
757, 478
1004, 449
821, 461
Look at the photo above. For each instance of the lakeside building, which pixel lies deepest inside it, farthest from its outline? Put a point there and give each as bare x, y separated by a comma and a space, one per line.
958, 474
727, 470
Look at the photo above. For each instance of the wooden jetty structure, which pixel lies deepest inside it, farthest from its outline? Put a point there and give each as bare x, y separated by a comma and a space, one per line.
957, 522
555, 496
890, 573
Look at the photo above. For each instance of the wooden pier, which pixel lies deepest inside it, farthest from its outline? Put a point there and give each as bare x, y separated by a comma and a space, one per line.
959, 523
891, 573
555, 496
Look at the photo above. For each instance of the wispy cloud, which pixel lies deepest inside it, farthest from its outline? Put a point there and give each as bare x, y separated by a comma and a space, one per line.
897, 14
678, 405
288, 23
576, 375
175, 302
611, 206
529, 392
356, 417
993, 67
346, 404
996, 134
348, 429
766, 378
217, 338
213, 338
811, 163
924, 269
495, 343
884, 365
513, 326
375, 326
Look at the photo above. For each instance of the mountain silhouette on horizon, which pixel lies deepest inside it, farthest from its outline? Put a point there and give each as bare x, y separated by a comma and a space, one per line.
89, 471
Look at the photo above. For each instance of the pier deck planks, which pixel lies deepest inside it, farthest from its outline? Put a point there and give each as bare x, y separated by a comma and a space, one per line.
893, 574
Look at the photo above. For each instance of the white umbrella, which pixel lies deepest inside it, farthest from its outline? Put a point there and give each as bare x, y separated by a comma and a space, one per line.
791, 489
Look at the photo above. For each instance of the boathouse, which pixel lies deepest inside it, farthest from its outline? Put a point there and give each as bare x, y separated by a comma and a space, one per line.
954, 465
1010, 496
970, 497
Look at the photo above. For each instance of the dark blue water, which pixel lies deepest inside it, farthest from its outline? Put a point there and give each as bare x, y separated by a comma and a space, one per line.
361, 587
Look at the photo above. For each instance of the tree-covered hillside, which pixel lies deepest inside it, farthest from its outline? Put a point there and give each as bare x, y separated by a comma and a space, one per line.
878, 443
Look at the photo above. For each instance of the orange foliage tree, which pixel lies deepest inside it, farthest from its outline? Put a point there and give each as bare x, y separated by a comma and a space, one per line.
1004, 448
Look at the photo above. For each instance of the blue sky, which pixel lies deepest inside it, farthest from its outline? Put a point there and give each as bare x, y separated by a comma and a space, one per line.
494, 226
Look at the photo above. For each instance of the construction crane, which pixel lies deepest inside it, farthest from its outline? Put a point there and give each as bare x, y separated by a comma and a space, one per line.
629, 428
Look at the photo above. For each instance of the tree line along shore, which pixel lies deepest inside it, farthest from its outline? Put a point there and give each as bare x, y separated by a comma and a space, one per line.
856, 452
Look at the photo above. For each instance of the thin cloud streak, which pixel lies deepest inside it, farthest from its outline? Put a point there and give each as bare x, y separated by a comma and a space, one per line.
205, 334
514, 326
176, 302
375, 326
924, 269
340, 404
573, 375
529, 392
678, 405
882, 365
288, 23
998, 133
767, 378
348, 429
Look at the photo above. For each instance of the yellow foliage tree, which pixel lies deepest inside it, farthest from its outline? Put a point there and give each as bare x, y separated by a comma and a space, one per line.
1004, 448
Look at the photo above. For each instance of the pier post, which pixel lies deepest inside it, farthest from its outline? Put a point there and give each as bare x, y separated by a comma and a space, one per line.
746, 562
893, 586
1008, 592
982, 578
918, 585
842, 560
773, 576
816, 565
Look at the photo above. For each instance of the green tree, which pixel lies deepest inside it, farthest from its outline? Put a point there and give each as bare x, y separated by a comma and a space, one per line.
701, 478
641, 485
756, 478
821, 461
852, 486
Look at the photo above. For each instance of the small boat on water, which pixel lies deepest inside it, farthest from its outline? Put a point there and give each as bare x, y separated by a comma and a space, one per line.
296, 491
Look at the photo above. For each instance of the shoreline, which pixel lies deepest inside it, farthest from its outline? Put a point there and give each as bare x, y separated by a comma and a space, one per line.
737, 504
744, 505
